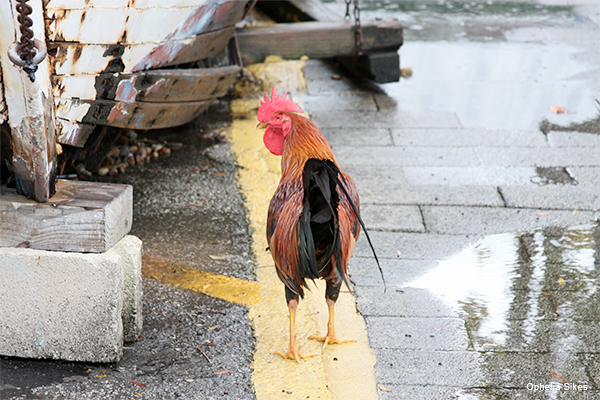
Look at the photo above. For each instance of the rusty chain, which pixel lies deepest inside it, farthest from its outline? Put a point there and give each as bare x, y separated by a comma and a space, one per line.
28, 52
357, 28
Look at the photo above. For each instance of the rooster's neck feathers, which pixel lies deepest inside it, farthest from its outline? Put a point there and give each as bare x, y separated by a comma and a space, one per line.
303, 142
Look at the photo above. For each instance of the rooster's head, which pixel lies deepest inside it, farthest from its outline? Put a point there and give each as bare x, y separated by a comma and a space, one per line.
272, 117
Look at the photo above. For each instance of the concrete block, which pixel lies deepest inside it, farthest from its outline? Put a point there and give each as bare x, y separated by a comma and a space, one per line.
130, 250
66, 305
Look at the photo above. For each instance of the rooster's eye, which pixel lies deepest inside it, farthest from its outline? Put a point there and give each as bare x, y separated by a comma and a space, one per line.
278, 117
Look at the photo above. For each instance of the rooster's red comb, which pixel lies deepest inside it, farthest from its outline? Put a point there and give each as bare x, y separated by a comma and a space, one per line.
276, 103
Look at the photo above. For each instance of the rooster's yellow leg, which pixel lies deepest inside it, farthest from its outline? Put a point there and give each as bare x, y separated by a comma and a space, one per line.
293, 353
331, 337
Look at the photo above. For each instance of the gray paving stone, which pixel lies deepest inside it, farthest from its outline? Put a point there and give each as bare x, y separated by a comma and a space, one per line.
378, 191
468, 137
543, 336
413, 246
336, 102
434, 156
573, 139
384, 119
358, 136
393, 218
438, 368
592, 364
553, 197
397, 273
318, 79
413, 333
543, 157
386, 176
585, 176
405, 302
475, 220
420, 392
517, 370
459, 176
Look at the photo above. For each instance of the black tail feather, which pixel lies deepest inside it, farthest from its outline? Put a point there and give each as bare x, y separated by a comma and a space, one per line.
335, 172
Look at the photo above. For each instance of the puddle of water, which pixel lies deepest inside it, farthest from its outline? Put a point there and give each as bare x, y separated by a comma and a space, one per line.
525, 279
498, 85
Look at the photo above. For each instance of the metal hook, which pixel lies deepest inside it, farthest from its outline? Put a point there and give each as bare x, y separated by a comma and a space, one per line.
29, 66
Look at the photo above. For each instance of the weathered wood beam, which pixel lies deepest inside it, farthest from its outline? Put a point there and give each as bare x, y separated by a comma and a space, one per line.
317, 39
138, 115
73, 133
314, 10
81, 217
29, 106
161, 85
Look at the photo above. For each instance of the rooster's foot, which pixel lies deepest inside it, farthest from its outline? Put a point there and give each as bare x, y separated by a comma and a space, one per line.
294, 354
330, 339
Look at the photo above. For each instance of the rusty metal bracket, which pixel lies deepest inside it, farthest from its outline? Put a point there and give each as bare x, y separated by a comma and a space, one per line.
28, 52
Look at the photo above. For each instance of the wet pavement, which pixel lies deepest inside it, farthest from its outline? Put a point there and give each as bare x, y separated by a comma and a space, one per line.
480, 199
481, 204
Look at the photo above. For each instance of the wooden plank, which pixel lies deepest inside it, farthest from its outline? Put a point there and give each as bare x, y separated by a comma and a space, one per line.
379, 67
308, 10
163, 85
73, 133
81, 217
120, 114
316, 39
75, 58
29, 107
134, 24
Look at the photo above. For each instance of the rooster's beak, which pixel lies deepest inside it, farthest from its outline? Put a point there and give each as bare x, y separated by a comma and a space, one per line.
262, 125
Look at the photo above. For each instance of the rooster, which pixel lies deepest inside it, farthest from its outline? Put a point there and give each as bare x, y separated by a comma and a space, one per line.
313, 220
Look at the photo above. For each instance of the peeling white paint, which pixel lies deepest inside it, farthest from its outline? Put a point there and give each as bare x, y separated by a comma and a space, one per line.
75, 86
71, 110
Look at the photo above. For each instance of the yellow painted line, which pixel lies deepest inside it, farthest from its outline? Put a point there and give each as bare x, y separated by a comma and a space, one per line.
234, 290
341, 371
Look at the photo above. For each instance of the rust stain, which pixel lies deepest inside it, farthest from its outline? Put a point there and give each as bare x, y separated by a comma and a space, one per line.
83, 16
77, 53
